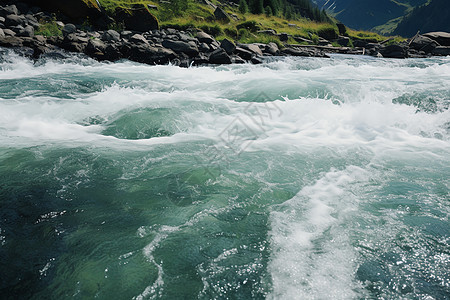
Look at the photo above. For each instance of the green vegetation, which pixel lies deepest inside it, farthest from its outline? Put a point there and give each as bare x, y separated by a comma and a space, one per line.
49, 28
252, 19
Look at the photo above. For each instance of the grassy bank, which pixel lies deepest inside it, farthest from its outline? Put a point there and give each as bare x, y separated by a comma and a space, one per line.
247, 27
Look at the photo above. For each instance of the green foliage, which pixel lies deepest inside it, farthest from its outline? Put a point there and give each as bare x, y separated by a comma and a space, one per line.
268, 11
214, 30
231, 32
260, 38
243, 33
243, 7
249, 25
256, 7
49, 29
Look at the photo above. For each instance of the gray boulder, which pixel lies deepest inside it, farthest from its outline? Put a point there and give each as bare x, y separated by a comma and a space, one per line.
68, 29
219, 56
443, 38
28, 31
8, 10
15, 20
203, 37
95, 46
2, 33
138, 39
111, 35
9, 32
228, 46
296, 52
272, 48
252, 48
180, 46
394, 51
423, 43
243, 53
441, 50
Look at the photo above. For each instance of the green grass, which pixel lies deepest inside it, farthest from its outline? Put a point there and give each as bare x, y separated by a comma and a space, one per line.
185, 14
49, 29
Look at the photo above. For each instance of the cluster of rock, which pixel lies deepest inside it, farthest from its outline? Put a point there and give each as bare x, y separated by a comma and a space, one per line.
148, 44
155, 46
420, 46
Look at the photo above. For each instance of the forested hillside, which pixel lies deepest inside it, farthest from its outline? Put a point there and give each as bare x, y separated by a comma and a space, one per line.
432, 17
379, 15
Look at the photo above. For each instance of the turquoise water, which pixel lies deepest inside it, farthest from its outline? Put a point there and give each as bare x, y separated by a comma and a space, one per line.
300, 178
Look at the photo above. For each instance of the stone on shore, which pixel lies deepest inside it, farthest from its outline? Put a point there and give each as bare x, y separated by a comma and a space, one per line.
423, 43
394, 51
180, 46
219, 56
443, 38
203, 37
441, 50
228, 46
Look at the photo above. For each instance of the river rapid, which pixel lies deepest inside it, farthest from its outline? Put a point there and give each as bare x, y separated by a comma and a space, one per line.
300, 178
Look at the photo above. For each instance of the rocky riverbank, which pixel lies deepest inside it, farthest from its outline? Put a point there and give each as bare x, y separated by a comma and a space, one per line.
184, 48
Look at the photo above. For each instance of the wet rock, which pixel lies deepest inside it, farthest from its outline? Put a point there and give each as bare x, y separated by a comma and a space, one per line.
15, 20
394, 51
112, 53
204, 38
219, 56
68, 29
423, 43
228, 46
28, 31
243, 53
237, 60
11, 41
252, 48
296, 52
441, 50
443, 38
8, 10
126, 34
138, 39
256, 61
2, 33
95, 46
203, 47
180, 46
111, 36
272, 49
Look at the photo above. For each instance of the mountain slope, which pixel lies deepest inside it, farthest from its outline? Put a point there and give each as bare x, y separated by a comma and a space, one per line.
367, 14
432, 17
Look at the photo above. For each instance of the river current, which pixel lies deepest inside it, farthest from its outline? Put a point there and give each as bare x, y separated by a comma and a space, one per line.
300, 178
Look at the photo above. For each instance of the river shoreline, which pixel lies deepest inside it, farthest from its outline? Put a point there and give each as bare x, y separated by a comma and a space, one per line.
183, 48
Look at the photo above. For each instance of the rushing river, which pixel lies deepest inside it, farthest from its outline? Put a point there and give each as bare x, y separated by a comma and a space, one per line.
300, 178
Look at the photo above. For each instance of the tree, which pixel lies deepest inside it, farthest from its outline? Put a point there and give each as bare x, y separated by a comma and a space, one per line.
268, 11
243, 7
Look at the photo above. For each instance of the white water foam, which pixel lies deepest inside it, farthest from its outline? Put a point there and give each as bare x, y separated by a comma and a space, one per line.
312, 257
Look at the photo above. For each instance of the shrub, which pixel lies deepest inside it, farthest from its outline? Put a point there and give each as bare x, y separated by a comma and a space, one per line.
243, 7
49, 29
249, 25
